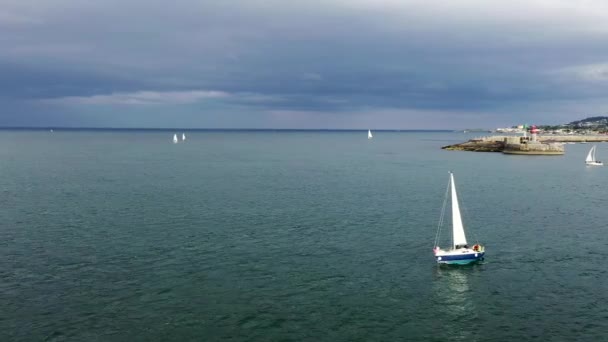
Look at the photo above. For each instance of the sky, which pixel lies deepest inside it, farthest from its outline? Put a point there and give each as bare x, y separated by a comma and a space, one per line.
353, 64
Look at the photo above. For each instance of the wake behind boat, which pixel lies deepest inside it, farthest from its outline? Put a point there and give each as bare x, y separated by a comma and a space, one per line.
590, 160
459, 253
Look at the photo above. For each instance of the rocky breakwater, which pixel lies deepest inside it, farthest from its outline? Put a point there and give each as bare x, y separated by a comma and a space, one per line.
515, 145
485, 144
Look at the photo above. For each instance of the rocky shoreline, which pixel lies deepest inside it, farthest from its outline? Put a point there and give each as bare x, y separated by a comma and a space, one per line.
477, 146
497, 143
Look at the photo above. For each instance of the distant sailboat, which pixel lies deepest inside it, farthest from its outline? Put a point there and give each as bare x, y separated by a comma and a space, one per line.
175, 138
369, 134
183, 136
459, 253
591, 158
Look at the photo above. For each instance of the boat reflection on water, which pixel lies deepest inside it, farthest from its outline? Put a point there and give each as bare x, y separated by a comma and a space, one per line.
453, 293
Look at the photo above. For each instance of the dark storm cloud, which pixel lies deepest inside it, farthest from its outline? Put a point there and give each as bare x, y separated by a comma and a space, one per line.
498, 62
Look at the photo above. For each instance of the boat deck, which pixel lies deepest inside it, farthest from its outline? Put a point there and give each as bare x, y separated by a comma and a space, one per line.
452, 251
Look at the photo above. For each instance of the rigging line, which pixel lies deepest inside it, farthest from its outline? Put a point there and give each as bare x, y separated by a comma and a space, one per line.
441, 218
442, 215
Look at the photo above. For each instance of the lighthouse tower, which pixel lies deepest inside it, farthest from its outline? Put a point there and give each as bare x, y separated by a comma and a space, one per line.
533, 133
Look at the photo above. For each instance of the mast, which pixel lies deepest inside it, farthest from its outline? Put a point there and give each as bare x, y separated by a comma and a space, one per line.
458, 236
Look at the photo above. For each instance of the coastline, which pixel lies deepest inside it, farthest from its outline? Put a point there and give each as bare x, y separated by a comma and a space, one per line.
498, 143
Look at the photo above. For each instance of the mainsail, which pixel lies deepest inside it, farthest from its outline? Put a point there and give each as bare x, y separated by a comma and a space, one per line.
591, 155
457, 228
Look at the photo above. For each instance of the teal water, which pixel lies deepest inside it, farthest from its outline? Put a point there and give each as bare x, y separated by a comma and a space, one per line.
299, 236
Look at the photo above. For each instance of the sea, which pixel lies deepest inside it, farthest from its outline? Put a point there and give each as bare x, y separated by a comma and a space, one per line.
121, 235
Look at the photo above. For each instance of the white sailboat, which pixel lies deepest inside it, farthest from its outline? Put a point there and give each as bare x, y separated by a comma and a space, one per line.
369, 134
590, 160
175, 138
459, 253
183, 136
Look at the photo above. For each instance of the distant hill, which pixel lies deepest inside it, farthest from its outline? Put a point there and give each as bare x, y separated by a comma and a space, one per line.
590, 122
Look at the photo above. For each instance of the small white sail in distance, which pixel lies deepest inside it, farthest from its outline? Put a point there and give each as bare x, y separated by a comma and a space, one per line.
175, 138
183, 136
457, 227
369, 134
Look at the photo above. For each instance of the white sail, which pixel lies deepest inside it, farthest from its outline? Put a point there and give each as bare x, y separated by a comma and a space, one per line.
457, 228
369, 134
183, 136
591, 155
175, 138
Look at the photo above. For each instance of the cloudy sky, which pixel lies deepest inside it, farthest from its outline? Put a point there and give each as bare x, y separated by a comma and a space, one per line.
302, 64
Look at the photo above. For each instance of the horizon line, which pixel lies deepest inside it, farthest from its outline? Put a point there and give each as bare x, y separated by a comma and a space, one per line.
40, 128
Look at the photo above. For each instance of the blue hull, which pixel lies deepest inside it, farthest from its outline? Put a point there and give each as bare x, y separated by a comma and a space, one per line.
462, 259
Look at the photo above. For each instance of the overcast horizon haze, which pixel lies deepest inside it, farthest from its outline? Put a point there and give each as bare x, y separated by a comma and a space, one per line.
334, 64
